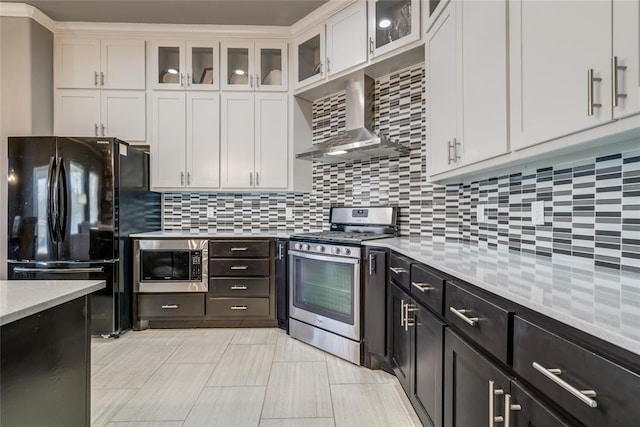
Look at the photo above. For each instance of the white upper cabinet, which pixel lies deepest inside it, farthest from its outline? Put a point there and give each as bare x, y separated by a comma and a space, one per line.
92, 63
347, 38
271, 141
309, 57
78, 113
392, 24
626, 58
560, 68
260, 66
180, 65
237, 140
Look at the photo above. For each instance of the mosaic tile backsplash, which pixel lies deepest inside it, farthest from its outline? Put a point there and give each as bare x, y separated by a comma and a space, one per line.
592, 206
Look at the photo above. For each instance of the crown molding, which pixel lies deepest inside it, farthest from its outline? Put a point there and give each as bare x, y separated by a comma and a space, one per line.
23, 10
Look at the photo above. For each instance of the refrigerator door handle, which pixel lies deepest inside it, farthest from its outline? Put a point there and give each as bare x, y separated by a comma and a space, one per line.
59, 270
51, 208
65, 197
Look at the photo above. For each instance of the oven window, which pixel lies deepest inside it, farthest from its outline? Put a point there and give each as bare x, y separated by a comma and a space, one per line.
164, 265
324, 288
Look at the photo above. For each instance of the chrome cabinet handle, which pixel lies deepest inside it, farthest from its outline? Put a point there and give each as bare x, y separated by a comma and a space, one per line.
398, 270
408, 309
257, 178
181, 178
508, 408
250, 178
449, 147
456, 144
614, 72
493, 392
188, 79
251, 81
328, 65
239, 267
585, 396
170, 306
101, 78
590, 80
321, 68
238, 288
238, 249
95, 78
402, 312
95, 129
257, 80
238, 307
423, 287
181, 79
281, 251
188, 178
102, 129
472, 321
371, 46
372, 267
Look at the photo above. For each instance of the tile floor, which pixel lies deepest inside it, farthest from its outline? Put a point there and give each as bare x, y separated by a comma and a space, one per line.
236, 377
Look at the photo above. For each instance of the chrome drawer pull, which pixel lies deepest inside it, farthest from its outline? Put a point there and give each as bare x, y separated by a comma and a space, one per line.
238, 307
239, 267
170, 306
493, 392
238, 288
238, 249
508, 407
462, 314
398, 270
422, 286
585, 396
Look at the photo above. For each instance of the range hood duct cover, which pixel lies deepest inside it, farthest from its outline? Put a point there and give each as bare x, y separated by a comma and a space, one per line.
358, 142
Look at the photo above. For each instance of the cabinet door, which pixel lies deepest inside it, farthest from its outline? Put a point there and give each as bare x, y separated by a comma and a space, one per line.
237, 140
203, 140
123, 64
473, 386
271, 141
272, 65
552, 54
443, 91
309, 56
168, 65
399, 336
626, 49
392, 24
427, 366
168, 140
238, 66
203, 69
482, 64
78, 63
375, 285
526, 410
78, 113
124, 115
347, 38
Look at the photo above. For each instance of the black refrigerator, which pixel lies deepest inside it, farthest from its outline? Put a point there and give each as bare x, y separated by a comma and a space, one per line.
72, 203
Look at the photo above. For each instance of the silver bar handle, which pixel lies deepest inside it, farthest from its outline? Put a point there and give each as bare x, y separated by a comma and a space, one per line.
188, 178
170, 306
371, 46
95, 78
461, 313
328, 64
238, 249
238, 288
590, 80
449, 147
101, 78
585, 396
281, 251
402, 312
321, 68
408, 322
398, 270
102, 128
188, 79
251, 81
239, 267
257, 80
238, 307
493, 392
250, 178
614, 72
508, 408
181, 178
423, 287
181, 79
59, 270
95, 129
257, 178
371, 265
456, 144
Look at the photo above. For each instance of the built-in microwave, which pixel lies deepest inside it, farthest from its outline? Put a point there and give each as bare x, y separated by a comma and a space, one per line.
171, 265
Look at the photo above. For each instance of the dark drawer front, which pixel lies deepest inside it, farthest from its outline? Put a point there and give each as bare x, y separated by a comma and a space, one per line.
616, 388
427, 287
238, 267
240, 287
238, 249
237, 307
400, 270
170, 305
486, 323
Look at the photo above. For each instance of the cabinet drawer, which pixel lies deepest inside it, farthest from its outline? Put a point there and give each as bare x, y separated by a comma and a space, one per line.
237, 307
170, 305
240, 287
239, 249
616, 388
427, 287
238, 267
482, 321
399, 270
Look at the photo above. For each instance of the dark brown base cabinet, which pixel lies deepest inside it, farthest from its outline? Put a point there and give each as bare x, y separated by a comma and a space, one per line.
375, 302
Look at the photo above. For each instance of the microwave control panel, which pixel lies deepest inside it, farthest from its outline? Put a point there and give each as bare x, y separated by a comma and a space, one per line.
196, 265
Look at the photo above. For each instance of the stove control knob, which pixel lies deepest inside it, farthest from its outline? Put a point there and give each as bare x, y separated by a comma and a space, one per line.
346, 251
336, 251
306, 247
320, 248
297, 246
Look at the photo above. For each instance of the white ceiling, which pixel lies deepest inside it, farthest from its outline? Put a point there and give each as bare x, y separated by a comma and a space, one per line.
221, 12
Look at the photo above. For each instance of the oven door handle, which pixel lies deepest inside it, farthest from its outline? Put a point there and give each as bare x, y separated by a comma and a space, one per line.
339, 259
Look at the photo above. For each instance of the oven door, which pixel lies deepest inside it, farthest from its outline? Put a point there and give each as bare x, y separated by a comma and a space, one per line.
324, 291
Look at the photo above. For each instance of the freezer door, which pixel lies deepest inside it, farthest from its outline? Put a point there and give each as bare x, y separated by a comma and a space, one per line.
31, 166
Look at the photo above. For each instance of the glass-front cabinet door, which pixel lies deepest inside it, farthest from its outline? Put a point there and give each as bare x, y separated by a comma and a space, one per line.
185, 65
168, 67
237, 66
202, 66
271, 66
309, 53
392, 24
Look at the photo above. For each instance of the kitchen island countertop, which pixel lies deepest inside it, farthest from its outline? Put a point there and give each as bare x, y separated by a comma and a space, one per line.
22, 298
272, 234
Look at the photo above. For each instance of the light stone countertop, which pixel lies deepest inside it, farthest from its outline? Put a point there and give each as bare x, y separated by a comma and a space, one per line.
600, 301
22, 298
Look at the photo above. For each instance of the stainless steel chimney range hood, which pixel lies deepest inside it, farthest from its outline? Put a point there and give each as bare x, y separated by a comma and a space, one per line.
358, 142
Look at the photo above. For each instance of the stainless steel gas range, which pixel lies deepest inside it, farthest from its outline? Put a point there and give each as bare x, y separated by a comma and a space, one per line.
325, 278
